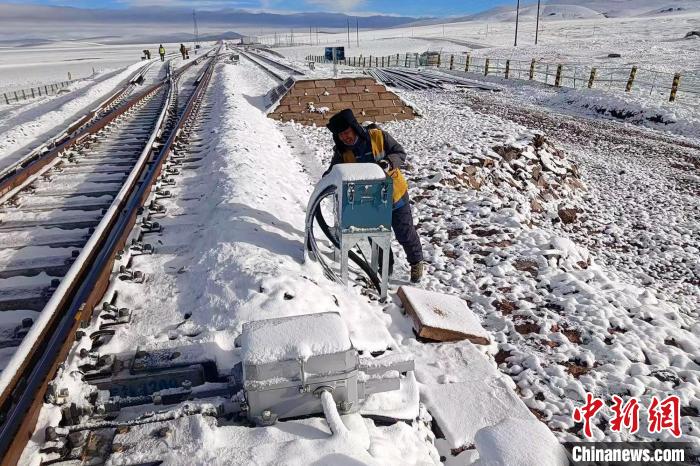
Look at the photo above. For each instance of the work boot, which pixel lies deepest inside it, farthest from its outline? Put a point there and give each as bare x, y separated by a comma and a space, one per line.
417, 272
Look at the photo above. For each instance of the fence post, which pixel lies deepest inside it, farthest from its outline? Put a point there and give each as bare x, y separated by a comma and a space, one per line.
466, 65
532, 69
370, 61
397, 59
486, 67
24, 97
507, 68
630, 81
382, 61
16, 98
6, 99
674, 87
32, 92
439, 59
592, 77
452, 62
405, 63
557, 78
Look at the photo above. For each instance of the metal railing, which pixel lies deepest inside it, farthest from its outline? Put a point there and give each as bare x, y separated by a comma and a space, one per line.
631, 79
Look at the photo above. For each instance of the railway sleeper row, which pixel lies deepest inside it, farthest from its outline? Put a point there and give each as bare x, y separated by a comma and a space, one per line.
88, 427
46, 224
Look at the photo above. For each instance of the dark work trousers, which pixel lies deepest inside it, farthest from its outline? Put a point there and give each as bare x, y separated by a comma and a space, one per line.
162, 58
406, 234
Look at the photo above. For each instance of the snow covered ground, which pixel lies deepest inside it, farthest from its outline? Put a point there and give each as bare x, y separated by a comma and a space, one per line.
652, 42
568, 320
573, 234
28, 66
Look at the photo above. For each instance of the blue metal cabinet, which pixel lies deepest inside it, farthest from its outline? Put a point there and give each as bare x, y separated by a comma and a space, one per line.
366, 206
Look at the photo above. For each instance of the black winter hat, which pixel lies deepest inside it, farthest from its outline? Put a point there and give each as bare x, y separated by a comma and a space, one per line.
341, 121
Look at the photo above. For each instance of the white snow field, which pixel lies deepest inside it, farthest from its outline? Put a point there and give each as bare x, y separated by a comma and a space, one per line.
652, 42
27, 66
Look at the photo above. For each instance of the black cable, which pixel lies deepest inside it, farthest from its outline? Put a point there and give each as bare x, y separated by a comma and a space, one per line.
352, 255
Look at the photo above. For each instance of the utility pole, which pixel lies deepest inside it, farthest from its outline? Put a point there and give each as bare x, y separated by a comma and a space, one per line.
196, 31
517, 16
537, 27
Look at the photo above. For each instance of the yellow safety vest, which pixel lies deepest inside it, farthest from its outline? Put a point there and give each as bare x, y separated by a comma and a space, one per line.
377, 138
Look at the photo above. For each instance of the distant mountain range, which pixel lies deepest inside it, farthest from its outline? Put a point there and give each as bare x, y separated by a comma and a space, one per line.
36, 24
38, 21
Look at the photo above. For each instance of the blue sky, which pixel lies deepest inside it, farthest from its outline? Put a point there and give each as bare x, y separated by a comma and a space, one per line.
396, 7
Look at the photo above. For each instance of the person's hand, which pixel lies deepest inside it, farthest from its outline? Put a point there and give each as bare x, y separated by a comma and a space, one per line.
385, 165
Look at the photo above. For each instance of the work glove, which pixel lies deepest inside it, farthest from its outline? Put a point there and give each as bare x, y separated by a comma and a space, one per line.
385, 165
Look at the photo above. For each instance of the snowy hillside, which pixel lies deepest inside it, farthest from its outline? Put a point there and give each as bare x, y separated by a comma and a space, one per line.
577, 9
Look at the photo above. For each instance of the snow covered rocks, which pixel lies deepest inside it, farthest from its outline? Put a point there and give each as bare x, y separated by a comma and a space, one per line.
519, 441
441, 317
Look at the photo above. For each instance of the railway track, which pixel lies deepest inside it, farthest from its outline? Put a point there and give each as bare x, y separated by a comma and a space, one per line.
278, 71
416, 80
68, 216
276, 63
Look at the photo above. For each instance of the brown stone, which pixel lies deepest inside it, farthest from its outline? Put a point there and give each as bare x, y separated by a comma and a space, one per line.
526, 265
384, 103
381, 118
376, 88
535, 206
349, 98
297, 91
354, 89
304, 85
328, 98
282, 109
441, 322
369, 96
365, 82
568, 216
388, 96
325, 83
373, 112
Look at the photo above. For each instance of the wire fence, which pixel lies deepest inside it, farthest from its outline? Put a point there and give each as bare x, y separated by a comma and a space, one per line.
633, 79
14, 96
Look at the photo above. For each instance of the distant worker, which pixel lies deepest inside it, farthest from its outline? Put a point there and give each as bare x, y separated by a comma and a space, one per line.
183, 51
161, 51
147, 54
355, 143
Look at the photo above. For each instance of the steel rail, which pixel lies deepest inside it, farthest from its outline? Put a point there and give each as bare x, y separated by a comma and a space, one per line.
48, 342
17, 174
271, 61
55, 141
266, 69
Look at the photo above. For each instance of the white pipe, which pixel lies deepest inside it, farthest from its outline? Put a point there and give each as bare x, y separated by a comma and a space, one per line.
332, 416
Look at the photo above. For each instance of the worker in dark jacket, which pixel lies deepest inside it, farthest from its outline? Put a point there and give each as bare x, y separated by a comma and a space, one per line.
161, 52
355, 143
183, 51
